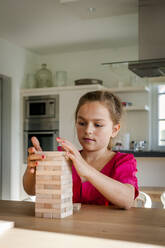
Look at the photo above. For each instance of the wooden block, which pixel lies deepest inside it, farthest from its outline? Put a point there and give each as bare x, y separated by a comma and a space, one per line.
53, 178
54, 186
48, 199
48, 215
63, 215
53, 172
55, 182
48, 165
39, 186
54, 192
52, 153
39, 215
56, 196
53, 205
63, 187
53, 211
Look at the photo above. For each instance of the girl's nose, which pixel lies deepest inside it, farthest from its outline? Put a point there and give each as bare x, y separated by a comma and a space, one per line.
89, 129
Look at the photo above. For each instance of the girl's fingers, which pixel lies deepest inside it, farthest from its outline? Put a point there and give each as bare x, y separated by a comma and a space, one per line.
32, 164
36, 143
31, 150
36, 156
32, 170
68, 146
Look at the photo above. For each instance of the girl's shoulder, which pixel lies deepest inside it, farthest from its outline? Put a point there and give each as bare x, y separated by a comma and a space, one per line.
124, 156
122, 159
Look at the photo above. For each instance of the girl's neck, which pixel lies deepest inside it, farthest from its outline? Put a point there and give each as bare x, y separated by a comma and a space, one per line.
93, 156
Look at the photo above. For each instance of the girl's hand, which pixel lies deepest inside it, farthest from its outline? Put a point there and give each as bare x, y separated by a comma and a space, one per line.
72, 153
35, 155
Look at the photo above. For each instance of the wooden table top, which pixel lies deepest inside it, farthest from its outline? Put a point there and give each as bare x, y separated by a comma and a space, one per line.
135, 225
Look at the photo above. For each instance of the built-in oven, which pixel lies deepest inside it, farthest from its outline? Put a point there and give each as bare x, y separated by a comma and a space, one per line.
47, 140
41, 119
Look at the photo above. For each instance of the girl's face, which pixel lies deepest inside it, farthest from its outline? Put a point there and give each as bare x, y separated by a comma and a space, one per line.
94, 126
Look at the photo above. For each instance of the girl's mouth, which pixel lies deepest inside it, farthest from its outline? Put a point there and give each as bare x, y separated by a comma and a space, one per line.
88, 139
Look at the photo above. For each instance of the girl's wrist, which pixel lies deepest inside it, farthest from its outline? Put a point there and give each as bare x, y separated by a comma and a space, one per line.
89, 172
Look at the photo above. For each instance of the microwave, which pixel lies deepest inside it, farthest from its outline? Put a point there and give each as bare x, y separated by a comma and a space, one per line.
41, 107
41, 112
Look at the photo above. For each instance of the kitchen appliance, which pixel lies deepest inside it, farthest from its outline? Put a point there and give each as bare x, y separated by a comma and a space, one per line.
41, 119
151, 40
151, 63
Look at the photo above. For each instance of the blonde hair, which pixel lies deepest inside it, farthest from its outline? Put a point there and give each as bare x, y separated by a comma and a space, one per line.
109, 100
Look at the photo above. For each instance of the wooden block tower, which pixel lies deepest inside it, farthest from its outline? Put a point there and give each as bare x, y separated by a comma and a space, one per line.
54, 186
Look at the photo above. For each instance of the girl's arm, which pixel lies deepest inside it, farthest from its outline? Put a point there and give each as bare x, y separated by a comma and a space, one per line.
29, 181
121, 195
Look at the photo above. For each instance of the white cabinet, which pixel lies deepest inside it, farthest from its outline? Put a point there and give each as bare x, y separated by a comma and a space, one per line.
137, 117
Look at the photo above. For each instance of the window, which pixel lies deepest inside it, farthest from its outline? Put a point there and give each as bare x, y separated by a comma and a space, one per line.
158, 117
161, 115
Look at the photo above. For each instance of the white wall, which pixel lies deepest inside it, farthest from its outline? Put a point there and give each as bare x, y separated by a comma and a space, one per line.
87, 64
151, 171
16, 62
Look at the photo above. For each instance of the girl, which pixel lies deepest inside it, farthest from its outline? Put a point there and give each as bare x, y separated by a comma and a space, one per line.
100, 176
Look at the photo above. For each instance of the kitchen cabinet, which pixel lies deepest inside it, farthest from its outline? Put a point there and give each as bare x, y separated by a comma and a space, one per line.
137, 118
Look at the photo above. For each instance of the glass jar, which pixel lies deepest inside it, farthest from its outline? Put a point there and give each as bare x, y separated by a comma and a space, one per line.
43, 77
61, 78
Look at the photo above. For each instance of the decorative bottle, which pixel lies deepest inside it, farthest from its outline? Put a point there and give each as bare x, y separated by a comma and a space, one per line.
43, 77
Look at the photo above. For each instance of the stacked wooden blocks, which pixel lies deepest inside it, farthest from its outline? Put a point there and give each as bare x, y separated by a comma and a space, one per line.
54, 186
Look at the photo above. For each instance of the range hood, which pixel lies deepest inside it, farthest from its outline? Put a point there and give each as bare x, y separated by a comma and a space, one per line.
151, 63
148, 68
151, 40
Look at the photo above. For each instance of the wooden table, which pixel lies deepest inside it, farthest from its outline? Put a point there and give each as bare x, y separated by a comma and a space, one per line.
140, 225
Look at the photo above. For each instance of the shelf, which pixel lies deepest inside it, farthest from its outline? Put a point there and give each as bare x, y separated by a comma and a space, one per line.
136, 108
57, 90
131, 89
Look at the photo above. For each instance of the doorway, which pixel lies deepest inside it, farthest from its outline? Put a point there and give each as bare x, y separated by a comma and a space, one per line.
0, 139
5, 137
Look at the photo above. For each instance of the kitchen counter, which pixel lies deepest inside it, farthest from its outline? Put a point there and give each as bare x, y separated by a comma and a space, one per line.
145, 153
102, 226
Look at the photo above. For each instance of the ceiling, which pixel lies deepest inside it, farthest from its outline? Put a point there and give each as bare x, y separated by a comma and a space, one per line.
46, 26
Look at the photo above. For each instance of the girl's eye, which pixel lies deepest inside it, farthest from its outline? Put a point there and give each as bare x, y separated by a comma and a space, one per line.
81, 123
98, 125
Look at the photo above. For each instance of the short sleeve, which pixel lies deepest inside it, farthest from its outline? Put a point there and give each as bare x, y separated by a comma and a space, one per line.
126, 169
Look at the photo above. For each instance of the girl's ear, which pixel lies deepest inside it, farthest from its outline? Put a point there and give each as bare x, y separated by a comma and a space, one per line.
116, 129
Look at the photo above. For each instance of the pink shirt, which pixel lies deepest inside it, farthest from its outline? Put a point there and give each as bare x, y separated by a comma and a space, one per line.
122, 167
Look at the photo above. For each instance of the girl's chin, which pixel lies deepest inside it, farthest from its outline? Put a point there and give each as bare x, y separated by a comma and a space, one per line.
89, 147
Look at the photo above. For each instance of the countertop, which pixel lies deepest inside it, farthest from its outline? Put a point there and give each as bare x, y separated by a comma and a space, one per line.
109, 226
145, 153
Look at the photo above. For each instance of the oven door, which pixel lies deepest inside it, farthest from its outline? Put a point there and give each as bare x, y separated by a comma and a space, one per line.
47, 140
